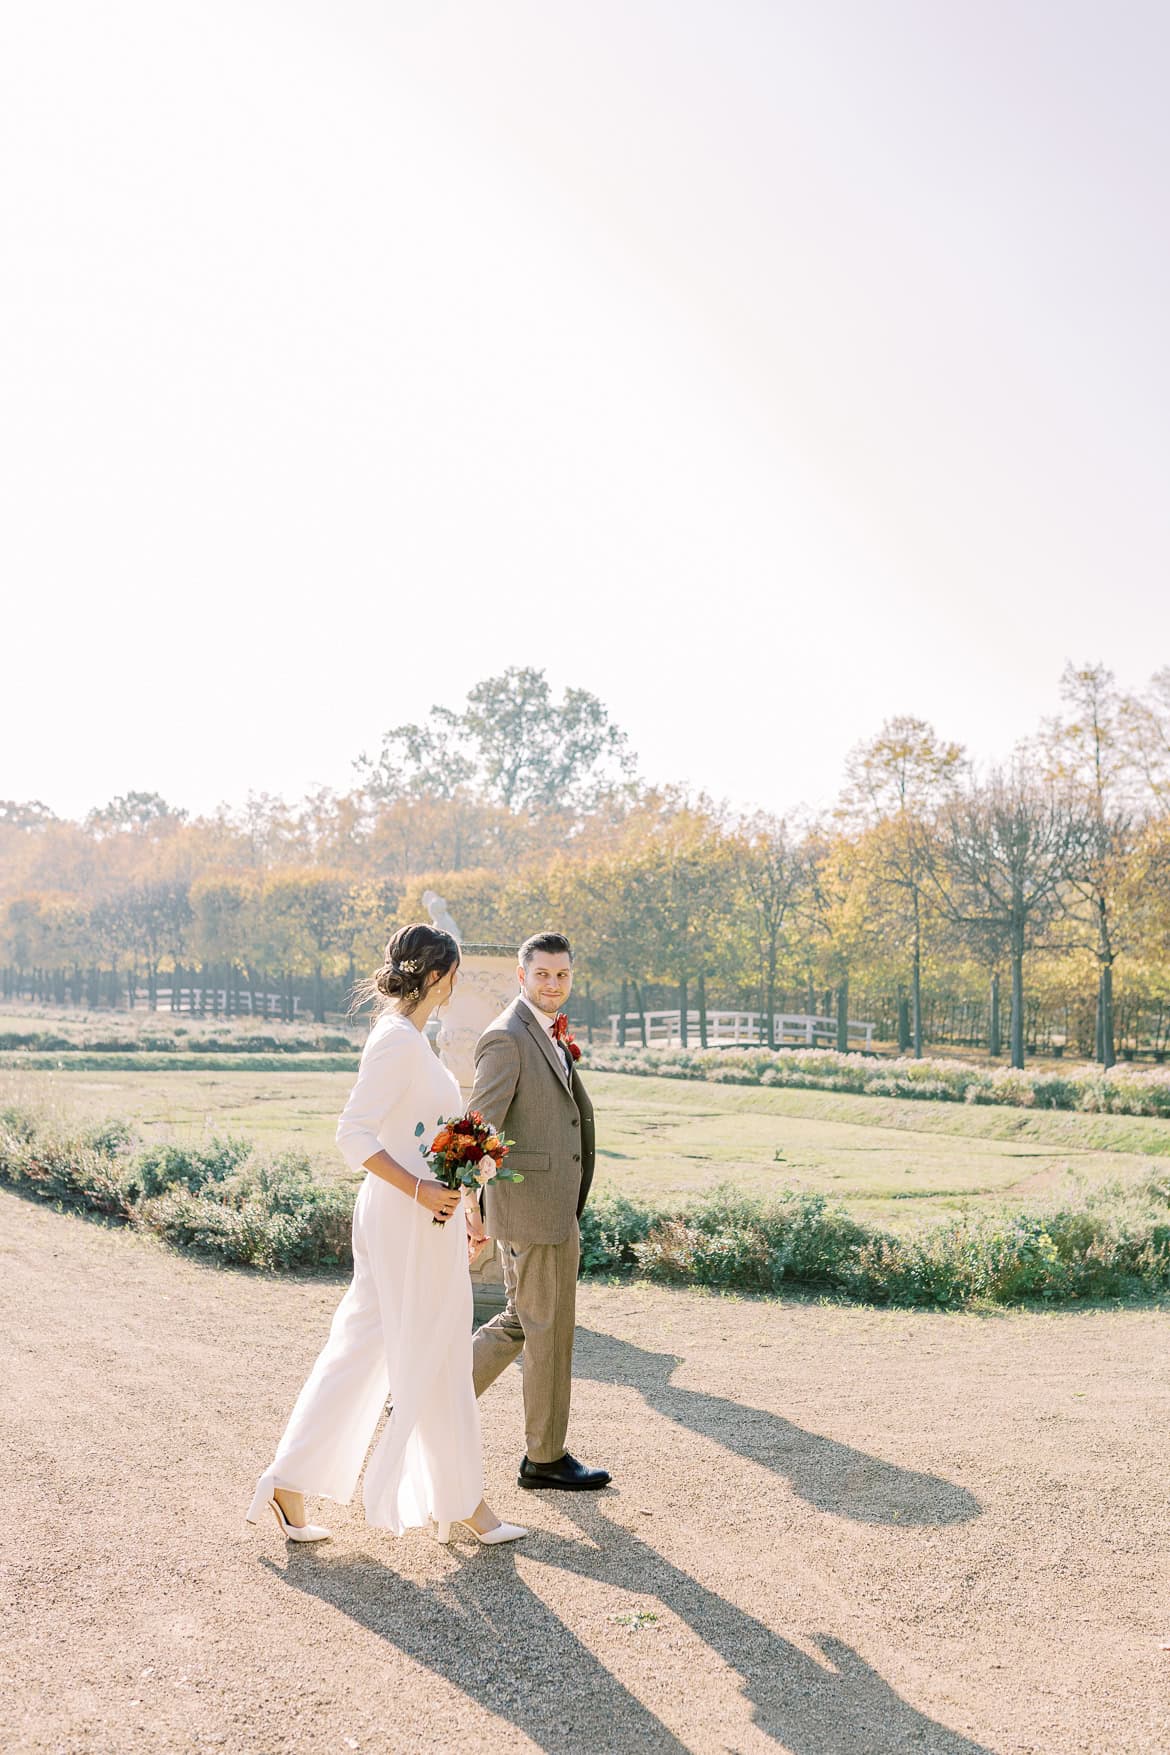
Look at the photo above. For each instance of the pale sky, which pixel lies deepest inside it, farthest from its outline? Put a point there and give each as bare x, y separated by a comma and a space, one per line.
768, 369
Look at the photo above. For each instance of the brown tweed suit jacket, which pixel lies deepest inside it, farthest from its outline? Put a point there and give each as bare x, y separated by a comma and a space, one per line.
524, 1089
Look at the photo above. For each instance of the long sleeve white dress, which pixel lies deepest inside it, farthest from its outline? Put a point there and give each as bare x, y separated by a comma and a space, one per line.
404, 1325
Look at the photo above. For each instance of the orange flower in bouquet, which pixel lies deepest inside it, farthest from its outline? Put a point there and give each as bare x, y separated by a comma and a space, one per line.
466, 1153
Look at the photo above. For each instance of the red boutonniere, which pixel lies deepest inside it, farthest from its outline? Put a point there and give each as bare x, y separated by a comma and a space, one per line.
561, 1034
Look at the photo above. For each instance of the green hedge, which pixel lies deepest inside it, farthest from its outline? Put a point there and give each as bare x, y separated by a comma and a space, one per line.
180, 1041
1121, 1091
109, 1060
219, 1199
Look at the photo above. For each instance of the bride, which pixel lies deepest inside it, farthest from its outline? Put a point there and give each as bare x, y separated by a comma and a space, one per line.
405, 1322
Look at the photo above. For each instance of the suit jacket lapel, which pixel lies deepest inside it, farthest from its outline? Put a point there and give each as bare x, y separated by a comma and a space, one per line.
547, 1046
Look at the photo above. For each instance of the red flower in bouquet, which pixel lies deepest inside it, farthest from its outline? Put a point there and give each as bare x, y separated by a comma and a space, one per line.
467, 1153
562, 1035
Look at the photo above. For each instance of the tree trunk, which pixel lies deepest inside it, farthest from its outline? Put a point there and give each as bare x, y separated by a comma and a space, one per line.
843, 1017
622, 1014
701, 997
318, 995
994, 1025
683, 1039
1017, 1025
1108, 1051
1106, 1027
916, 985
641, 1012
904, 1037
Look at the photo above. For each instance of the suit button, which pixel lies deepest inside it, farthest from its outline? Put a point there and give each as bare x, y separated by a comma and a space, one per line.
574, 1122
576, 1157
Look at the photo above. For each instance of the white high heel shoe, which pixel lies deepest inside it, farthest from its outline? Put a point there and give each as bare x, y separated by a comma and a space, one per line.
503, 1532
292, 1532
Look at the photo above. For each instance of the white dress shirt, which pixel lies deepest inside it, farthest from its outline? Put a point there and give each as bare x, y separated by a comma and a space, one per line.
546, 1023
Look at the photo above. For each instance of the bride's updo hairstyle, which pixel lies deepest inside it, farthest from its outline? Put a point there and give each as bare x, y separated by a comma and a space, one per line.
415, 956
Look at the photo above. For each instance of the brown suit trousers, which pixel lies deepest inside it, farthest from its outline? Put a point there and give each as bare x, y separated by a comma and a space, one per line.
540, 1280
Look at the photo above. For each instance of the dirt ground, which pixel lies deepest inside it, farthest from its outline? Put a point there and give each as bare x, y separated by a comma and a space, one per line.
832, 1532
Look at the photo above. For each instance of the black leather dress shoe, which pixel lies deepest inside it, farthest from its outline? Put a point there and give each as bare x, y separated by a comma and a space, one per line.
567, 1474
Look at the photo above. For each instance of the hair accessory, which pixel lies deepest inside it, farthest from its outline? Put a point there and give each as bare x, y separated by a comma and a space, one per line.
409, 966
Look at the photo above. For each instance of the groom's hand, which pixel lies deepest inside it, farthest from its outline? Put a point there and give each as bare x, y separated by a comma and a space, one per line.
477, 1237
475, 1248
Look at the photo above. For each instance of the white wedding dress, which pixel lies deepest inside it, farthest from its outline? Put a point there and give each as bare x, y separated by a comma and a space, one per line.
403, 1327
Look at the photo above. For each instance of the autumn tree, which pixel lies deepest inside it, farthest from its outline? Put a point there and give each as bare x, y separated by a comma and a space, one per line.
896, 784
1087, 752
133, 810
512, 745
689, 876
772, 870
1146, 722
156, 913
304, 920
835, 912
1003, 858
27, 813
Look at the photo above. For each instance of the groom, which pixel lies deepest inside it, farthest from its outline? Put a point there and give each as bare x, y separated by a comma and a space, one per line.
528, 1088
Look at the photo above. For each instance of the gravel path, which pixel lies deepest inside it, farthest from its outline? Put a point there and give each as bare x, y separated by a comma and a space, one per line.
833, 1532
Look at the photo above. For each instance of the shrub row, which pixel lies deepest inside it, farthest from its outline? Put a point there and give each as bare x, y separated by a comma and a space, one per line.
1104, 1247
86, 1060
1121, 1091
180, 1041
214, 1197
220, 1200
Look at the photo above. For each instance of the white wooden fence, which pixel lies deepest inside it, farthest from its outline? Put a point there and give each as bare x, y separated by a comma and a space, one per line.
245, 1003
790, 1029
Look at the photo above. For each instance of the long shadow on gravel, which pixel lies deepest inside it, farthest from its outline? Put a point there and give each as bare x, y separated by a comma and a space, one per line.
830, 1476
842, 1707
492, 1637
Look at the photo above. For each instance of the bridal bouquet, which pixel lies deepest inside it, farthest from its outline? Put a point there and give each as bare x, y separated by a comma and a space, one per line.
465, 1153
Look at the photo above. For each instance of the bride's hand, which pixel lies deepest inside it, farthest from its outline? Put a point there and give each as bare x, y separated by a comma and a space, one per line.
439, 1201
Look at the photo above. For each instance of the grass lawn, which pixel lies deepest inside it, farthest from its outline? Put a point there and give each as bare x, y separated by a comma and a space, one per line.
896, 1162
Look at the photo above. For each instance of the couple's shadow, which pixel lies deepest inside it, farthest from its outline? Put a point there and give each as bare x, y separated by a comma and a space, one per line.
491, 1636
832, 1477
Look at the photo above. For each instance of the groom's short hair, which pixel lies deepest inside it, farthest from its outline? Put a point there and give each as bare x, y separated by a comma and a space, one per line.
556, 942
